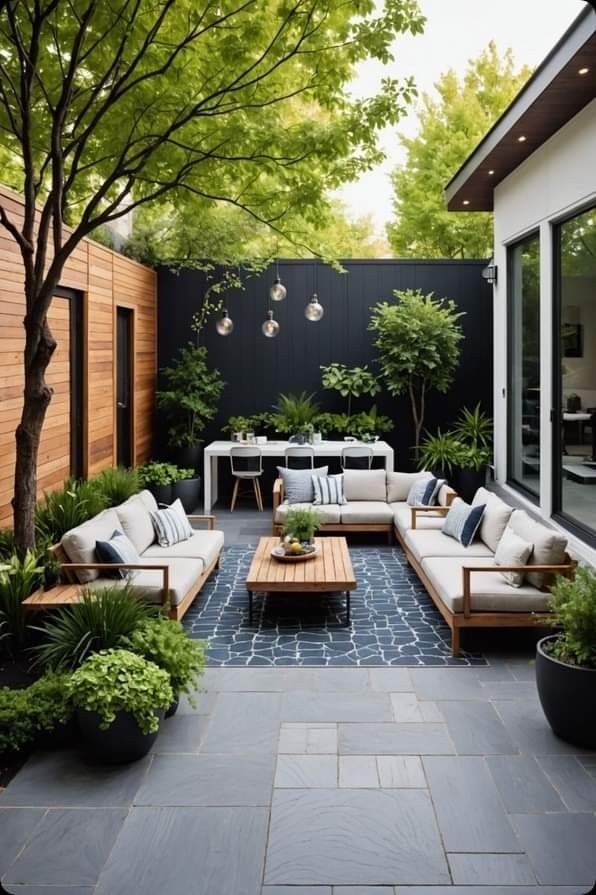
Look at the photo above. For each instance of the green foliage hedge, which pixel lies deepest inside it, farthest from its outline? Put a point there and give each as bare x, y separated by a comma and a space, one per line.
38, 709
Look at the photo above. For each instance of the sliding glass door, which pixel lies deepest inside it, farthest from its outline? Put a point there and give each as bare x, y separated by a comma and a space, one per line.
524, 366
575, 372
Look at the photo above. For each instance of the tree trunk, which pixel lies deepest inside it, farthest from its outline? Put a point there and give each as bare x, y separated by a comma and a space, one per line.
39, 348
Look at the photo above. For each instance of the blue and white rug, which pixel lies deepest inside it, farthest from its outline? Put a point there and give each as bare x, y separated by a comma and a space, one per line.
393, 622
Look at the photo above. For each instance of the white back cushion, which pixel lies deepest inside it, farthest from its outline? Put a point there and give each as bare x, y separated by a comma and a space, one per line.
365, 484
135, 521
399, 484
79, 542
549, 545
495, 518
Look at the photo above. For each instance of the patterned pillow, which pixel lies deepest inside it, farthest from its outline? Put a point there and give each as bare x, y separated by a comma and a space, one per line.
513, 551
328, 489
298, 484
462, 521
118, 549
171, 525
424, 492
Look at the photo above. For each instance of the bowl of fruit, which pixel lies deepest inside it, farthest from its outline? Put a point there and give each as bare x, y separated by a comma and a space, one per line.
291, 549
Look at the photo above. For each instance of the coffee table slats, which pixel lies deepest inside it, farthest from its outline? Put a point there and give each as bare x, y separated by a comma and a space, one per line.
330, 570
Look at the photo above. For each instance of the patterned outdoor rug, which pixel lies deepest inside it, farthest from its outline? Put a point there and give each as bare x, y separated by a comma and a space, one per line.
393, 620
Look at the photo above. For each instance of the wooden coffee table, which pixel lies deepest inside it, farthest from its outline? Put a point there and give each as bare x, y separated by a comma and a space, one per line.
331, 570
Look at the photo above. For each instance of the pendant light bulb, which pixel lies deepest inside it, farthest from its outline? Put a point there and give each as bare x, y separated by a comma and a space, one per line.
225, 324
314, 310
270, 327
278, 291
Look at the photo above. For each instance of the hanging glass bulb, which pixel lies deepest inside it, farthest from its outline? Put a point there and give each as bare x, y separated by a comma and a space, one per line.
225, 324
278, 291
270, 328
314, 310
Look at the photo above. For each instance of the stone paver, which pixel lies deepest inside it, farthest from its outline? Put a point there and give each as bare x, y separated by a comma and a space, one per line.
367, 781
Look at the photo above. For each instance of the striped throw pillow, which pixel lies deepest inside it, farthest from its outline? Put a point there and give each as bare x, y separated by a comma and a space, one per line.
118, 549
463, 521
328, 489
171, 525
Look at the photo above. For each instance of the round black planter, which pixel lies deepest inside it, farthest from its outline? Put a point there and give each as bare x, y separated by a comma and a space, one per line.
188, 457
162, 493
188, 490
61, 735
123, 741
172, 708
568, 697
467, 481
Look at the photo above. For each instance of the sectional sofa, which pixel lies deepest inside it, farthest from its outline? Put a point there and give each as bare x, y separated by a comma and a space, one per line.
465, 583
171, 576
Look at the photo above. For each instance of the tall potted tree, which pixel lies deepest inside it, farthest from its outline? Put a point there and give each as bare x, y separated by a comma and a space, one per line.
188, 400
419, 343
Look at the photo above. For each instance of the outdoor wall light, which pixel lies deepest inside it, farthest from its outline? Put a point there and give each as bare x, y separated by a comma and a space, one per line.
522, 139
278, 291
466, 202
314, 309
225, 324
270, 327
583, 71
489, 273
491, 172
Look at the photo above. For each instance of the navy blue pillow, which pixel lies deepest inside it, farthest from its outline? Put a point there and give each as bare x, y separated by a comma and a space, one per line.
463, 521
118, 549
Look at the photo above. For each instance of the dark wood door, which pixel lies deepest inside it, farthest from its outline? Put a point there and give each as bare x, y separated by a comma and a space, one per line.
124, 408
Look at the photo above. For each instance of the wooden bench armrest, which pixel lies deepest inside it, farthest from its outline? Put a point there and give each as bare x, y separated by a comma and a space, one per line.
278, 493
209, 518
135, 566
564, 569
437, 511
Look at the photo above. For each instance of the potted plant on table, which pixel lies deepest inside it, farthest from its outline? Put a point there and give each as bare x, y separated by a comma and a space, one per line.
299, 529
566, 662
294, 415
188, 400
120, 699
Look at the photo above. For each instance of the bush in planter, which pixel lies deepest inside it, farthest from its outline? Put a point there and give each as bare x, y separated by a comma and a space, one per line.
101, 621
166, 643
18, 579
294, 412
566, 662
33, 712
185, 487
119, 698
329, 424
158, 478
117, 484
369, 424
439, 453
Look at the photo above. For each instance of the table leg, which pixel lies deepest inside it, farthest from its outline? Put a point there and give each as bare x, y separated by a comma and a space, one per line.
214, 479
250, 609
348, 599
206, 483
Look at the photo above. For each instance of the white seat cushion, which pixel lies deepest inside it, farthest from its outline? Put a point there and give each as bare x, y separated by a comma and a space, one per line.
147, 583
329, 511
402, 518
79, 543
370, 512
435, 543
365, 484
203, 546
490, 593
494, 519
135, 521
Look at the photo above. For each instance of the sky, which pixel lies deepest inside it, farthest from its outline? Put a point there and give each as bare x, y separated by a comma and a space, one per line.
456, 30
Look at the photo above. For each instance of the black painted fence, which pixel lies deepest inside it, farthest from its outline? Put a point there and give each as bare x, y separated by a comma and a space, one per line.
257, 369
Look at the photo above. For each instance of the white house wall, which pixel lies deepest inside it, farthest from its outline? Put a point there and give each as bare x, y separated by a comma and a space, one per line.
557, 179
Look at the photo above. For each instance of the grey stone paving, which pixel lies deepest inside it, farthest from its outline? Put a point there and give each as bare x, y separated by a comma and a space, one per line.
319, 781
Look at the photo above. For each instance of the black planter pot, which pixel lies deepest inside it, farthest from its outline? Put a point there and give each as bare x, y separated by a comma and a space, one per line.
188, 457
162, 493
60, 736
122, 742
467, 481
568, 697
172, 708
188, 491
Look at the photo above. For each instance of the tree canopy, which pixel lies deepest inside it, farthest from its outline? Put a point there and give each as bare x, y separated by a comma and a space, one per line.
451, 125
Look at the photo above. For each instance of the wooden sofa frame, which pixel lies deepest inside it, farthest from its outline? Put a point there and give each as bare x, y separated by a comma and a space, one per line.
69, 593
468, 617
337, 527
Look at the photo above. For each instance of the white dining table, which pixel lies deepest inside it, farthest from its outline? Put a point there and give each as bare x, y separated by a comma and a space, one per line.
218, 449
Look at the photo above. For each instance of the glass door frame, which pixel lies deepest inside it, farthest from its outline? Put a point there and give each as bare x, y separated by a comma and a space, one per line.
572, 525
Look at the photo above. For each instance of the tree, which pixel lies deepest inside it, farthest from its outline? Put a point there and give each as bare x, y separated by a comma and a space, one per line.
419, 347
450, 127
350, 382
111, 106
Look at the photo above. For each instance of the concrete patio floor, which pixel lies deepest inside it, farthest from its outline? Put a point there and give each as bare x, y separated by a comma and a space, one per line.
319, 781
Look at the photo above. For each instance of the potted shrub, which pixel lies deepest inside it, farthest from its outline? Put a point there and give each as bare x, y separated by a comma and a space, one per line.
439, 454
186, 486
166, 643
474, 429
294, 415
158, 478
300, 525
189, 400
469, 473
566, 662
120, 699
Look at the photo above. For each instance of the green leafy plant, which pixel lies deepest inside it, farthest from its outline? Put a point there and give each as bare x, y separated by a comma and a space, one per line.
369, 424
256, 422
19, 577
61, 510
419, 343
474, 428
181, 473
27, 713
332, 423
166, 643
573, 602
118, 680
117, 484
7, 543
302, 524
294, 412
156, 473
99, 621
470, 457
440, 452
190, 395
350, 382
